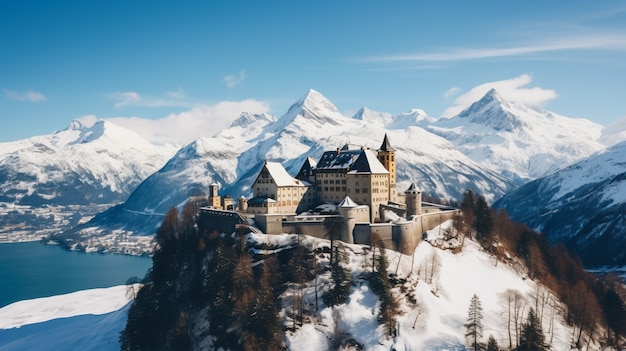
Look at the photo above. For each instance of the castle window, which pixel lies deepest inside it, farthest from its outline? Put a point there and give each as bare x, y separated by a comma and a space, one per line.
325, 188
343, 188
392, 157
364, 190
357, 190
325, 181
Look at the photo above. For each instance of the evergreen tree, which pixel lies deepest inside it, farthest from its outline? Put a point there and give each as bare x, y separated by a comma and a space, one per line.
265, 331
467, 211
484, 220
341, 278
381, 286
531, 337
492, 344
474, 325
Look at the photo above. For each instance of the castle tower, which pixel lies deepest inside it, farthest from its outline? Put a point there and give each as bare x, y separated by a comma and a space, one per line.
243, 204
387, 156
413, 201
214, 197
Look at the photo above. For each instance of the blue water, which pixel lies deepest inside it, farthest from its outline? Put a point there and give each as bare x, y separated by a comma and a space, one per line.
32, 270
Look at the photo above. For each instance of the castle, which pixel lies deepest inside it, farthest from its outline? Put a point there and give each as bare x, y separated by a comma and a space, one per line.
356, 186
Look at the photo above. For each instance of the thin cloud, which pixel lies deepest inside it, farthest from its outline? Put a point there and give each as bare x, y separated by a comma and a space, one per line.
234, 80
451, 92
514, 89
186, 126
28, 95
132, 98
590, 42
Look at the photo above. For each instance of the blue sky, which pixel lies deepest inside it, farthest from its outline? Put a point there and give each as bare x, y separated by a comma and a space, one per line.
175, 72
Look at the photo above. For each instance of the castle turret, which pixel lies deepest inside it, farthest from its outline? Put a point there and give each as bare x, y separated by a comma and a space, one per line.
413, 201
243, 204
214, 197
387, 156
348, 211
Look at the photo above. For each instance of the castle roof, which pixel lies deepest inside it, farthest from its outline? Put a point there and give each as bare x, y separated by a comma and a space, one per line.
412, 188
386, 145
258, 201
347, 202
352, 161
367, 162
280, 175
307, 169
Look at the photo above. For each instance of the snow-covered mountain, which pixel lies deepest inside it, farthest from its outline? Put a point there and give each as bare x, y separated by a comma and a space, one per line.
51, 181
520, 141
583, 205
312, 125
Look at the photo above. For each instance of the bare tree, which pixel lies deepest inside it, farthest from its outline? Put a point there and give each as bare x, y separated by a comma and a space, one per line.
513, 303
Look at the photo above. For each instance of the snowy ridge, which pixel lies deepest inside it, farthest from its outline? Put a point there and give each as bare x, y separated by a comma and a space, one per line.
582, 205
521, 141
52, 182
103, 155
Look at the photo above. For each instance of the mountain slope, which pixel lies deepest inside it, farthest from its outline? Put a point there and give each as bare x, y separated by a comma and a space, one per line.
582, 205
520, 141
312, 125
72, 173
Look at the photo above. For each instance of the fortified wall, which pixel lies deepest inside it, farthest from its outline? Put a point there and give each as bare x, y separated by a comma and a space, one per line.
403, 235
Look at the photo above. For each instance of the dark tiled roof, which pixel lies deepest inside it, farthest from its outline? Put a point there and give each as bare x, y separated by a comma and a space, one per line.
386, 146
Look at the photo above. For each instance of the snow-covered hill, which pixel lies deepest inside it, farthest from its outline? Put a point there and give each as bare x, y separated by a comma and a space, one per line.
583, 205
52, 181
433, 289
312, 125
520, 141
83, 320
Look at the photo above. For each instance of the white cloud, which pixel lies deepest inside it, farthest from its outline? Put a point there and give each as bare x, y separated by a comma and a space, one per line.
131, 98
451, 92
184, 127
513, 89
28, 95
234, 80
615, 42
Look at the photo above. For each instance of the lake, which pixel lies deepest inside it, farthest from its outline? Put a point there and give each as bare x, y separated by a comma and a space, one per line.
31, 270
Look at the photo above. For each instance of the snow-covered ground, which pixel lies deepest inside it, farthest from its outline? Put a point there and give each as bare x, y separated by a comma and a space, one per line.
83, 320
441, 311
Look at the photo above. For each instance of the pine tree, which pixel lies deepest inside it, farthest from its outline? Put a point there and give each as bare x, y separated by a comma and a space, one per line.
531, 337
484, 220
467, 210
474, 325
341, 278
381, 286
492, 344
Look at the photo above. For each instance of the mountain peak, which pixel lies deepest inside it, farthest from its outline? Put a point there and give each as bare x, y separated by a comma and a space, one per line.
493, 111
314, 105
75, 125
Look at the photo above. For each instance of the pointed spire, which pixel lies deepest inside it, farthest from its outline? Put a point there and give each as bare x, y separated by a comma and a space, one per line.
386, 146
412, 189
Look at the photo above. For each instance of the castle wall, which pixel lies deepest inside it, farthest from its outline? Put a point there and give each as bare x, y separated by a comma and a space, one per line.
220, 221
269, 224
313, 228
404, 236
